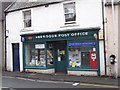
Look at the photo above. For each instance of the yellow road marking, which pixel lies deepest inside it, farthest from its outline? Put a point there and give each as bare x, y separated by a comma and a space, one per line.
99, 85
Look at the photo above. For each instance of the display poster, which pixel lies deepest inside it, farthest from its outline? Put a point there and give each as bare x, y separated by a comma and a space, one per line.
39, 46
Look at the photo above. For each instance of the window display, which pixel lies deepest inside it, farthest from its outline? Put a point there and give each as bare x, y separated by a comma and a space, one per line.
50, 54
85, 59
30, 59
79, 54
74, 57
40, 57
35, 57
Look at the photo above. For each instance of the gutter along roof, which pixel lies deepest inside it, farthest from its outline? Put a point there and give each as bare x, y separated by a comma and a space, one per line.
17, 5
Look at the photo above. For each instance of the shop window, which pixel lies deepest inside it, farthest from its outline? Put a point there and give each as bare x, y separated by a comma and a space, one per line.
27, 18
35, 55
40, 58
80, 54
74, 57
50, 54
85, 57
69, 12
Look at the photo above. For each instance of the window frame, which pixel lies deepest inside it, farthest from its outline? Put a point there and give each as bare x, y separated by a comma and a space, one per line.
30, 18
71, 21
34, 66
81, 68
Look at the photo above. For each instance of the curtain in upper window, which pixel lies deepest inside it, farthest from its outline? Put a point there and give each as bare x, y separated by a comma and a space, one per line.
70, 12
27, 18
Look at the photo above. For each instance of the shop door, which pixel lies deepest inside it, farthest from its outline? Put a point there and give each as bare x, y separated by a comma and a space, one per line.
16, 63
60, 62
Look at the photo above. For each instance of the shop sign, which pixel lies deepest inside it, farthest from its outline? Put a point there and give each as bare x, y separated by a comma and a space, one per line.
61, 35
30, 38
40, 46
82, 44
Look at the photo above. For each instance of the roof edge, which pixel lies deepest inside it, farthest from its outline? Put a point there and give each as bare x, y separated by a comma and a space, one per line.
9, 6
30, 6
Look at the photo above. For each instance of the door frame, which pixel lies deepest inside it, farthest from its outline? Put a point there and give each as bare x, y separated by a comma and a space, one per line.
56, 56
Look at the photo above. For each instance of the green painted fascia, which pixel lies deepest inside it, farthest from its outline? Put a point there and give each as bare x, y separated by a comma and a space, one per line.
81, 69
67, 53
48, 67
38, 67
98, 58
24, 53
34, 40
35, 67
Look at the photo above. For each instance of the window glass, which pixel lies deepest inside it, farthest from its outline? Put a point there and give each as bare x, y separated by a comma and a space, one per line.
85, 56
27, 18
30, 57
50, 54
69, 12
79, 54
40, 57
74, 57
35, 56
61, 54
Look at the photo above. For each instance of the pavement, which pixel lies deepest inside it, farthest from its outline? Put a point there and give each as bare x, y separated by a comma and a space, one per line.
65, 78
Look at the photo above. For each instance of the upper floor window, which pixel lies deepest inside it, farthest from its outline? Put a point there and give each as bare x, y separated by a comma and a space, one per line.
69, 12
27, 18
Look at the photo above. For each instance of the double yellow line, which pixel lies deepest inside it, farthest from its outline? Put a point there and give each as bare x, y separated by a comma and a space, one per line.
99, 85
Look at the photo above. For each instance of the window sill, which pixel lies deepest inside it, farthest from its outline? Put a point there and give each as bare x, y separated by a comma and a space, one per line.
26, 29
70, 22
35, 67
70, 25
81, 69
38, 67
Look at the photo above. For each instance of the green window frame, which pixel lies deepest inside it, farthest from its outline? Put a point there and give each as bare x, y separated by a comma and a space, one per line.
81, 67
34, 59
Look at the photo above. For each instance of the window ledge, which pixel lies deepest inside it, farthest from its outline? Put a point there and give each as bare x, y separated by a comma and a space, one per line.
26, 30
35, 67
70, 25
81, 69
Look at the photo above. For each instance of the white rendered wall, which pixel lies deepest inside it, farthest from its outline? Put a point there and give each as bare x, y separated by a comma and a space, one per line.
119, 42
112, 40
51, 18
13, 25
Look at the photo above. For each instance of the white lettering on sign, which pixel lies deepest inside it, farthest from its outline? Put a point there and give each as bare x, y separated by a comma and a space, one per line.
62, 35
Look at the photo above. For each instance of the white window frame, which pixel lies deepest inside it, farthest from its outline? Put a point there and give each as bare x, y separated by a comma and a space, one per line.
27, 19
72, 21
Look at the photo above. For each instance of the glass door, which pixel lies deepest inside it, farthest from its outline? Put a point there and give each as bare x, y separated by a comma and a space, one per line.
60, 60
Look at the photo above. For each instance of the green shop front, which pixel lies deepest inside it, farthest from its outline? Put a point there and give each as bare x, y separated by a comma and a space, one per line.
72, 52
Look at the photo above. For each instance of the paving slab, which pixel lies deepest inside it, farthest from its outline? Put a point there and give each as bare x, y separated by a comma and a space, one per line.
64, 77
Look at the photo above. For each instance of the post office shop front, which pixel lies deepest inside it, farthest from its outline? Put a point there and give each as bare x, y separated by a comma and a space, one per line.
73, 52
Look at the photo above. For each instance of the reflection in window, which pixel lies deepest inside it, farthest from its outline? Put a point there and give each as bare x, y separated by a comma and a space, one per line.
40, 57
30, 58
70, 13
35, 57
27, 18
85, 59
79, 55
50, 54
74, 57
